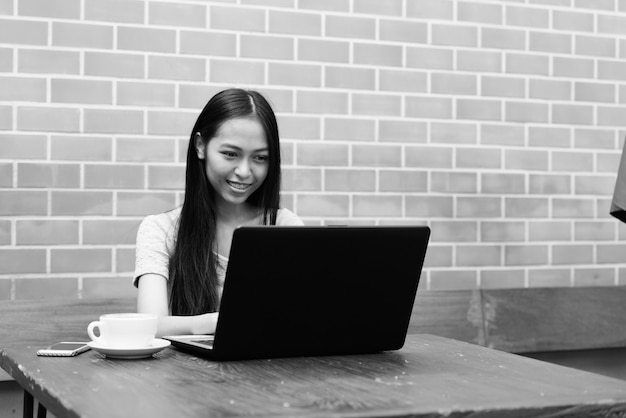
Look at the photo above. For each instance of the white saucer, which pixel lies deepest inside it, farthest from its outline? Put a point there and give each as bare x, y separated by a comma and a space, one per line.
130, 353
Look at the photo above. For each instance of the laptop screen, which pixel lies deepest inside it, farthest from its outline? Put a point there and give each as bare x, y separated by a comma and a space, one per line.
318, 290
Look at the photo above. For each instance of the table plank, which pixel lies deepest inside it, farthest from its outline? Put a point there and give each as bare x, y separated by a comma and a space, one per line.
430, 377
531, 320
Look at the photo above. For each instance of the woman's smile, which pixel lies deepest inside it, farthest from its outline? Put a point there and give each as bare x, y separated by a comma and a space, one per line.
239, 186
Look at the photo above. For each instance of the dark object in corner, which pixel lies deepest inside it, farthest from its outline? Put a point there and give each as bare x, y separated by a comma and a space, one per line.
618, 204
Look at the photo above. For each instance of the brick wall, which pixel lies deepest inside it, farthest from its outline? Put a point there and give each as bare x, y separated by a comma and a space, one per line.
497, 123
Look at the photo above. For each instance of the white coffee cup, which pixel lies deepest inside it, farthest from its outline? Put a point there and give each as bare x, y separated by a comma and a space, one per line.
124, 330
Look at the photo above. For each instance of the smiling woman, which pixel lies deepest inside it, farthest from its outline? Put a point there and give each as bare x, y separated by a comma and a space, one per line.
232, 179
237, 160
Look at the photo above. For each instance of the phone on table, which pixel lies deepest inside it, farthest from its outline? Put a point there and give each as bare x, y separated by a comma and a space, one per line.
64, 349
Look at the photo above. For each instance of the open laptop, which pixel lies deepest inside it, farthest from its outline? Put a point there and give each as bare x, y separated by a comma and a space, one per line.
315, 290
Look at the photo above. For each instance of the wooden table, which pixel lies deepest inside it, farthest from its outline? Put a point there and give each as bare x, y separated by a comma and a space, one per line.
430, 377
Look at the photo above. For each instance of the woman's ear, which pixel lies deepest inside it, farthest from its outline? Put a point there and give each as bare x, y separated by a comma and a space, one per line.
200, 145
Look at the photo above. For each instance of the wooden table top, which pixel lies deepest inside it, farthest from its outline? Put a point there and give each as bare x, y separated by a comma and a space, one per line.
431, 376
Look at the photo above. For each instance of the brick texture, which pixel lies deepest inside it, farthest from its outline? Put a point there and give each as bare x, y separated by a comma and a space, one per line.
499, 124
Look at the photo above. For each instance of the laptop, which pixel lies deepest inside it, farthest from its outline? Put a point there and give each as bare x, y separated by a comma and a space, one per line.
315, 290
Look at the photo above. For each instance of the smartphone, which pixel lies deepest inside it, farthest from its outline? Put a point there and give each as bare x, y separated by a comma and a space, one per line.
64, 349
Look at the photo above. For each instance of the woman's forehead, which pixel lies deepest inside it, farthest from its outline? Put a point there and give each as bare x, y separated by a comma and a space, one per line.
244, 133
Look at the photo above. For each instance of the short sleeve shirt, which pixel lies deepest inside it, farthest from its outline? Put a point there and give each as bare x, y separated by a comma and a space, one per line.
156, 240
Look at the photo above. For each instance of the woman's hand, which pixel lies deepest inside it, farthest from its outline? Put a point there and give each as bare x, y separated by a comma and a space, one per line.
205, 323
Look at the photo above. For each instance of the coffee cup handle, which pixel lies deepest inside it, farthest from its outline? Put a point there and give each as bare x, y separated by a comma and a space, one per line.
91, 327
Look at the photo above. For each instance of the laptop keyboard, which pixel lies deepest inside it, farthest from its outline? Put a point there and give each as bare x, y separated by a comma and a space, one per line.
208, 343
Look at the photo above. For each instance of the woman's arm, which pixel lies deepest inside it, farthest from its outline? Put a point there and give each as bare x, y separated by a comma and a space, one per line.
152, 298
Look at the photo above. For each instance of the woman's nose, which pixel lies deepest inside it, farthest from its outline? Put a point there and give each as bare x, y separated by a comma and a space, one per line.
243, 169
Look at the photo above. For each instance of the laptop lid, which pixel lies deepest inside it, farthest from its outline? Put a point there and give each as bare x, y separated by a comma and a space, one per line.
316, 290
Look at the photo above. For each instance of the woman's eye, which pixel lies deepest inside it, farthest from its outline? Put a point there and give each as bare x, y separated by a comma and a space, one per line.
262, 158
229, 154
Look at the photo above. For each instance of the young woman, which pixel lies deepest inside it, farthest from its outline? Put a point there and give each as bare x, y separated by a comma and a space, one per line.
232, 179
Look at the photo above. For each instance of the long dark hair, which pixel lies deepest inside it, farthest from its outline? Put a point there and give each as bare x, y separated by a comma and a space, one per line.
192, 280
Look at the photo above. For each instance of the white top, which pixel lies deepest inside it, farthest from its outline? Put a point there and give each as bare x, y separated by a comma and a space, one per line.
156, 239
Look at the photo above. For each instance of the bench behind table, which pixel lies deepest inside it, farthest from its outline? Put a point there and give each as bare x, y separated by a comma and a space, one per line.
526, 320
583, 327
551, 319
514, 320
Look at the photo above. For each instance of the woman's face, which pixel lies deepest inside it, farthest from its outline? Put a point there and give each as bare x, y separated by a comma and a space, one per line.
236, 159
